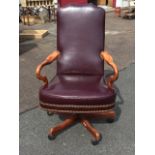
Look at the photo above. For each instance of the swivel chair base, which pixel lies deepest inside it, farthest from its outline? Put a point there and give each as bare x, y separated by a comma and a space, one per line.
109, 115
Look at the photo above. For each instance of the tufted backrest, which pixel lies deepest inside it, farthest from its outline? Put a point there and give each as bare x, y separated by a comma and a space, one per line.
80, 39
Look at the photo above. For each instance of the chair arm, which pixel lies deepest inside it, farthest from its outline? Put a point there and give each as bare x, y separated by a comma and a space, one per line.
53, 56
109, 60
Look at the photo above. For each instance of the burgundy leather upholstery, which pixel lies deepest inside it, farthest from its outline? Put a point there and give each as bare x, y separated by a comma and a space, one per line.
66, 2
79, 83
77, 89
81, 39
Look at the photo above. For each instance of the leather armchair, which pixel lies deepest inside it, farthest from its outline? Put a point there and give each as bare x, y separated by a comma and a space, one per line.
78, 90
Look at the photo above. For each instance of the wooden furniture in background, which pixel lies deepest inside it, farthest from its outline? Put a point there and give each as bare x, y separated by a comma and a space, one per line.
33, 3
33, 34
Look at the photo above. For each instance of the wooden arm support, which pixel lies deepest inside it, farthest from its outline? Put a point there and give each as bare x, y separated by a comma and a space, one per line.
53, 56
109, 60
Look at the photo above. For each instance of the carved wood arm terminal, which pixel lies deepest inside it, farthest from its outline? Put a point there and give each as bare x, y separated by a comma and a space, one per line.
109, 60
53, 56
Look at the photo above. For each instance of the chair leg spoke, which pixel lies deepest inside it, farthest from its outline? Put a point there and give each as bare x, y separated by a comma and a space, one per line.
66, 123
97, 136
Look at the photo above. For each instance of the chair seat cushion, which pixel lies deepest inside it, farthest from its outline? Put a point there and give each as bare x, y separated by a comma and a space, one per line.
82, 92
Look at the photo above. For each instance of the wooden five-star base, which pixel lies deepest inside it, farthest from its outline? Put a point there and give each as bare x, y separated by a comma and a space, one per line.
83, 118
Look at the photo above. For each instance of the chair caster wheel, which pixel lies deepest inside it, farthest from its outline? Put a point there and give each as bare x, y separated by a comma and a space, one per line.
51, 137
95, 142
110, 120
50, 113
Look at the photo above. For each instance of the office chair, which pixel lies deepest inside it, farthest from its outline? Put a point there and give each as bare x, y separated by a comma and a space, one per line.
79, 90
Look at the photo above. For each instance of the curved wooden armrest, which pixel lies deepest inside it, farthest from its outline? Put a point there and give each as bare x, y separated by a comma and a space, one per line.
109, 60
53, 56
